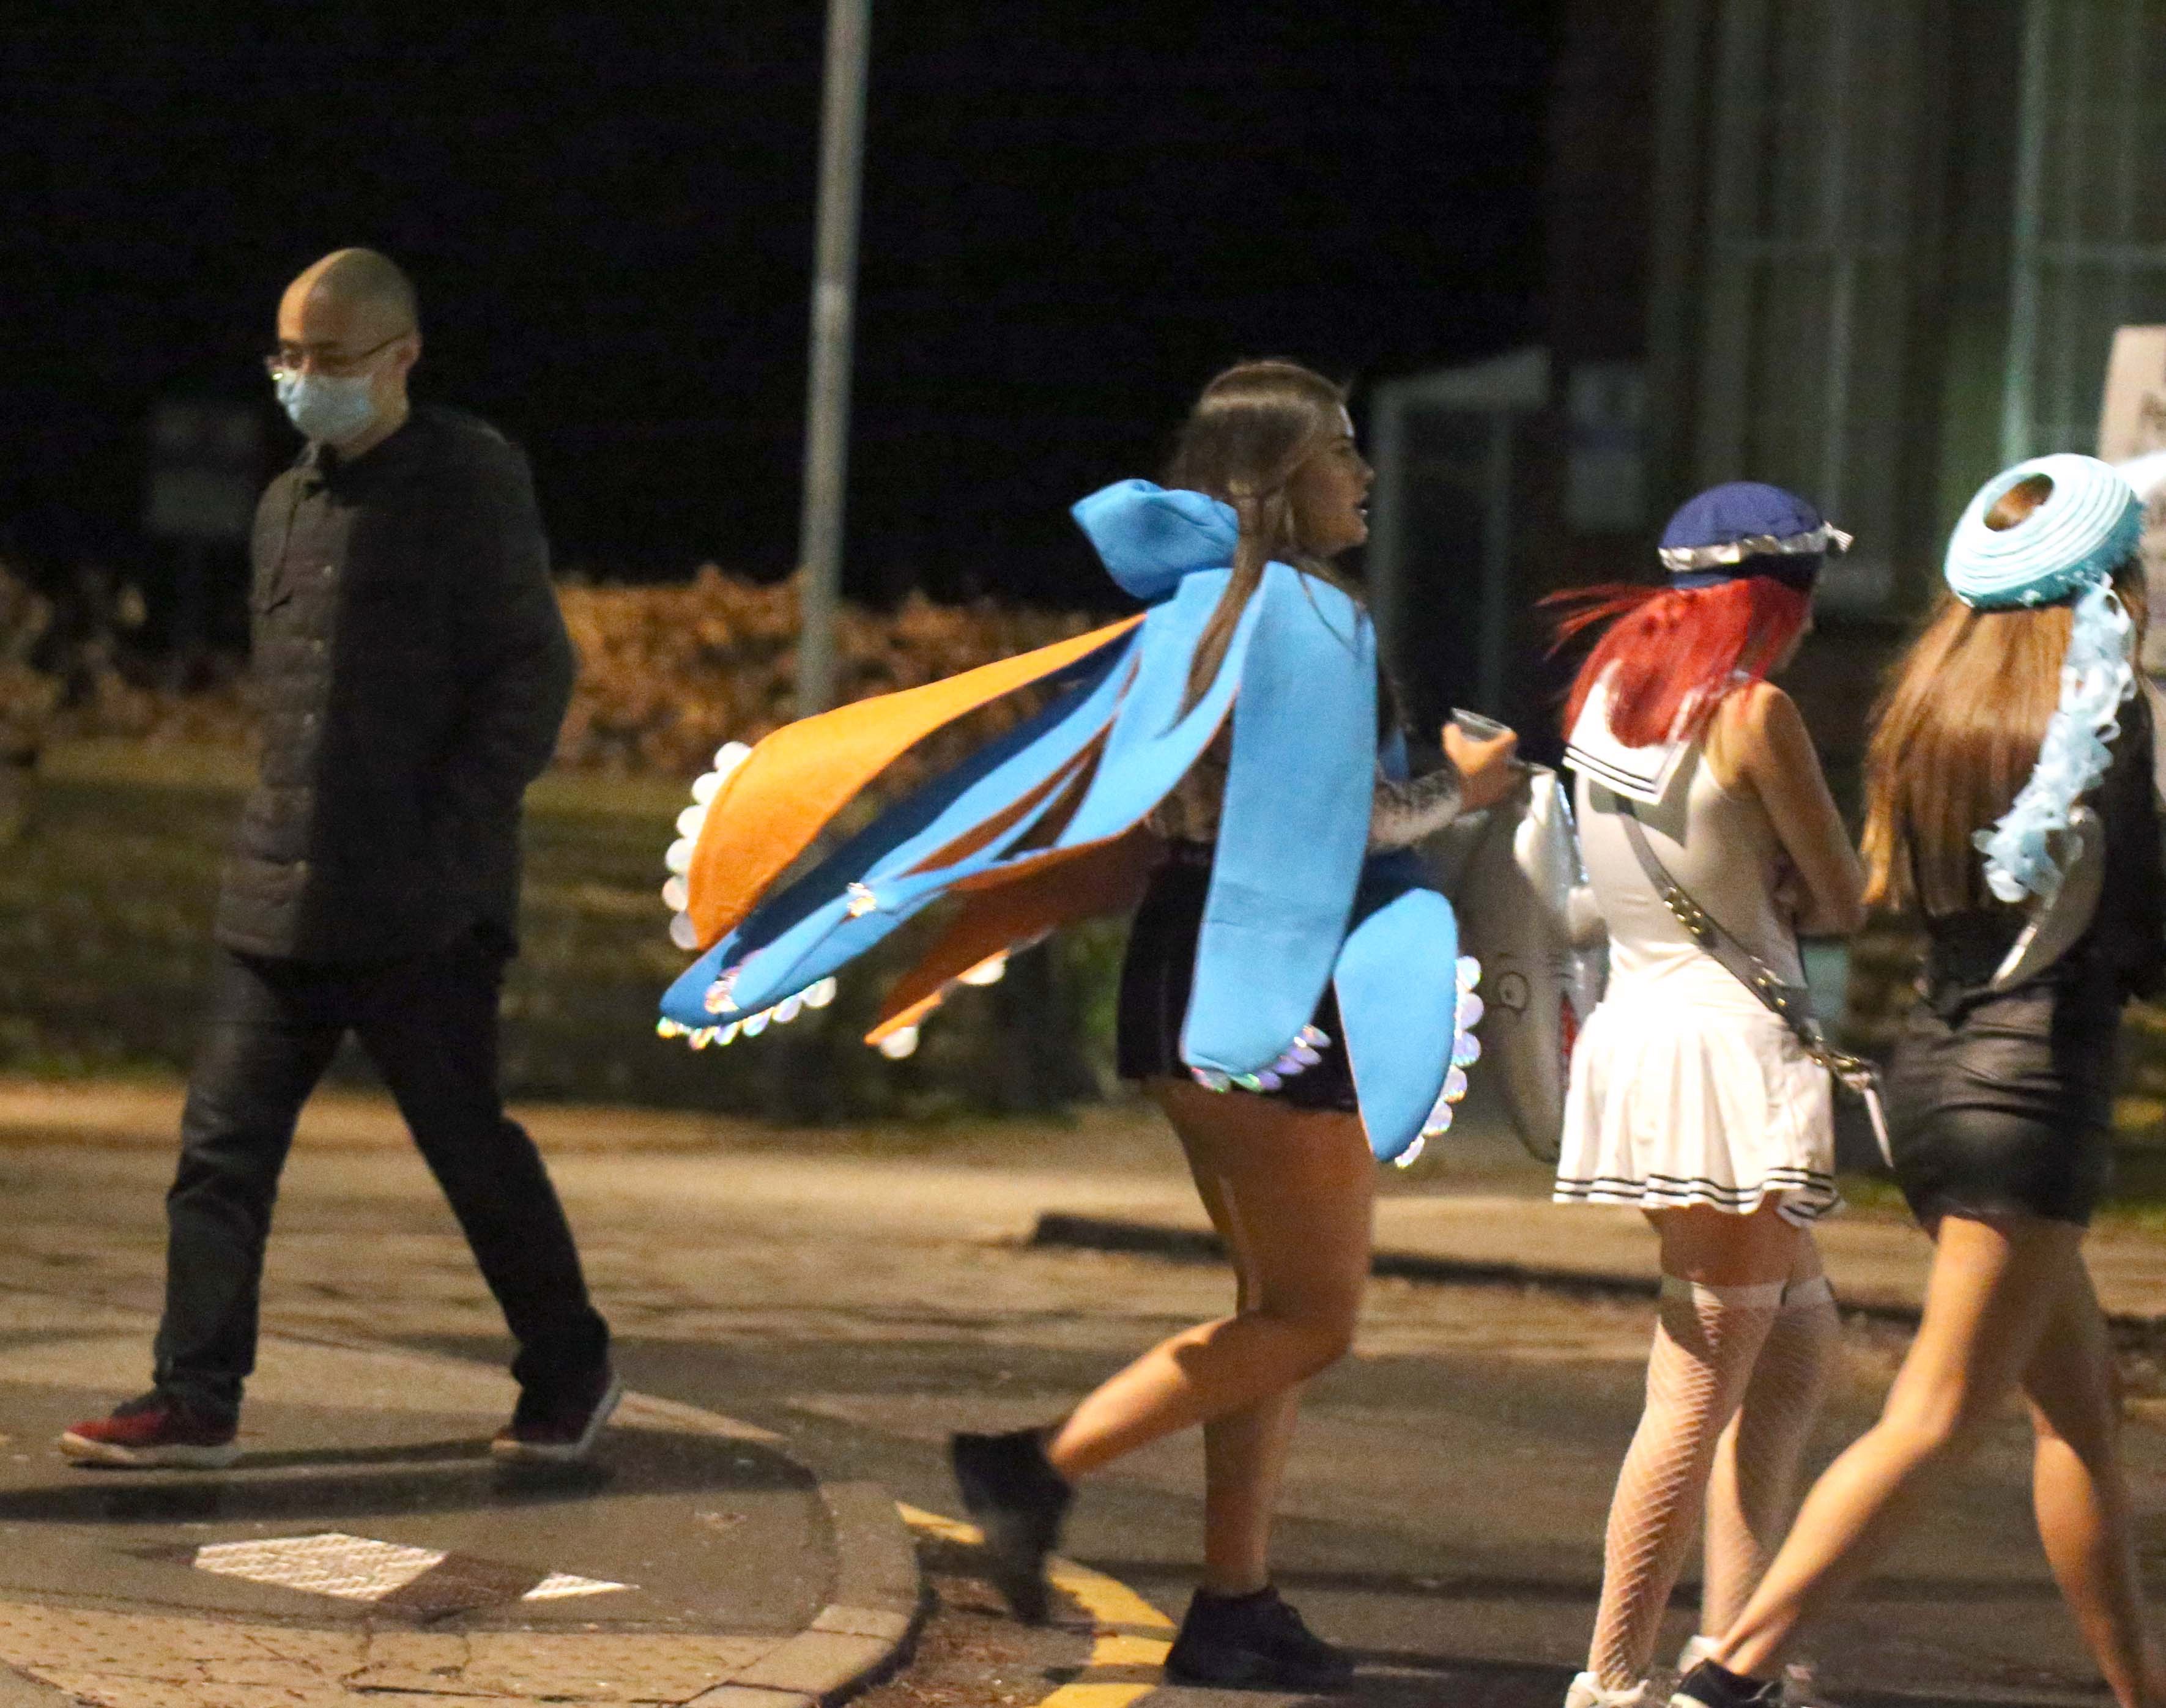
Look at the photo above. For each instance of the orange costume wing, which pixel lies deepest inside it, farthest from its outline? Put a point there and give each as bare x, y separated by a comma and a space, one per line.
1018, 905
790, 788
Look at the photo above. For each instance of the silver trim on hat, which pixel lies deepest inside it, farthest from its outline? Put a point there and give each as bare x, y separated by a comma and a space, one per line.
1681, 559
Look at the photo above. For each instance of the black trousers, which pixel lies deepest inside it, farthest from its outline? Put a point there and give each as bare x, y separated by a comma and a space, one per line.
429, 1023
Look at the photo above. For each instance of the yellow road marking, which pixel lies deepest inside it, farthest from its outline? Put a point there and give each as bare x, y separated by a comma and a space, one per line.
935, 1524
1116, 1612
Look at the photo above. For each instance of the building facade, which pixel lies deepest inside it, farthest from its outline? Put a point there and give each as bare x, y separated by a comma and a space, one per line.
1882, 246
1871, 250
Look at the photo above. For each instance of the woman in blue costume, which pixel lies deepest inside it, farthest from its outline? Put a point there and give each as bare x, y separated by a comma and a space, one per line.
1292, 997
1287, 1175
2001, 1096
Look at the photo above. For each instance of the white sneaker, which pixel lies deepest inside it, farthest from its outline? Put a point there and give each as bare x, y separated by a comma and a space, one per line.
1586, 1692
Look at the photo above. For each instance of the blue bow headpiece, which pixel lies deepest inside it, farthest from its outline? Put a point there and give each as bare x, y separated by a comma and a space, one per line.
2087, 525
1746, 528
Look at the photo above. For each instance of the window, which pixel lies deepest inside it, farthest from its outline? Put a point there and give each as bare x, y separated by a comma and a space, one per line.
1818, 223
2089, 251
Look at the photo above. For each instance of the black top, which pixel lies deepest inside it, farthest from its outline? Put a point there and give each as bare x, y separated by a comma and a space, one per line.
412, 670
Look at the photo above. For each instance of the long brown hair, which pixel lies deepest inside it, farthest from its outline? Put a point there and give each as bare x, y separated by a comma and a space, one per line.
1956, 733
1253, 428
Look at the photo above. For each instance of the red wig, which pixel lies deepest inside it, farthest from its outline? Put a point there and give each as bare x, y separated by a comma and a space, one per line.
1677, 652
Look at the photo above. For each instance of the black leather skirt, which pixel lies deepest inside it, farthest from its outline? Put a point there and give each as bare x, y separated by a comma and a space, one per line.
1160, 971
2002, 1104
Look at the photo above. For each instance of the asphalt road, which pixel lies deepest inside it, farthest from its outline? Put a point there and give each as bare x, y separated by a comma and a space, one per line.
1443, 1510
1445, 1499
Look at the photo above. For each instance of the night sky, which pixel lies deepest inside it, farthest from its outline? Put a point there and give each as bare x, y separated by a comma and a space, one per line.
1075, 213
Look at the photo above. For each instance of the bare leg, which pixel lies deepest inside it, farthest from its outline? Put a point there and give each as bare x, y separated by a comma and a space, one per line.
1244, 1451
1294, 1190
1721, 1286
1750, 1496
1995, 1287
2082, 1497
1245, 1456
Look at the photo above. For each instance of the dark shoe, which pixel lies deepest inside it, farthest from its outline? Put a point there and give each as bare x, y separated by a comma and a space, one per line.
557, 1426
1710, 1686
149, 1430
1253, 1642
1011, 1487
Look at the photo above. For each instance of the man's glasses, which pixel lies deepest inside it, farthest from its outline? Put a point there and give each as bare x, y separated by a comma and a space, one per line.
287, 358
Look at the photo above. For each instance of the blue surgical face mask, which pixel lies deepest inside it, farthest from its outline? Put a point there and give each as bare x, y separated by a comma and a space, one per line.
331, 408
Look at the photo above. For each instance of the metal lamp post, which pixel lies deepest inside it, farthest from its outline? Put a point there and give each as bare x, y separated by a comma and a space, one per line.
827, 390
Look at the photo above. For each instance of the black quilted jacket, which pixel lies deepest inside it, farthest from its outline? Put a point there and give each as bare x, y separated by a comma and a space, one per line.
412, 669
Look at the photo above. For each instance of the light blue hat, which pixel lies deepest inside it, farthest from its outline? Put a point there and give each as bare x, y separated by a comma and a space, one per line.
2088, 525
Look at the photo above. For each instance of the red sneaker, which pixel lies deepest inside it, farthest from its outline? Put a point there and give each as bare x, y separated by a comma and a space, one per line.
149, 1430
558, 1429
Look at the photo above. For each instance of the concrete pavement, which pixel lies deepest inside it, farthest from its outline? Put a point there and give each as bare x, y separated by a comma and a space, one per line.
1475, 1208
1879, 1260
365, 1548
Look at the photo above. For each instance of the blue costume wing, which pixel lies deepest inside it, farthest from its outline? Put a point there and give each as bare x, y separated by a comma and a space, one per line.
1289, 877
1292, 827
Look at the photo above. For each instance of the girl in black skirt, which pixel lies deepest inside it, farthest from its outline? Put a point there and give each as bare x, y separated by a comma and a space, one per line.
2001, 1095
1285, 1171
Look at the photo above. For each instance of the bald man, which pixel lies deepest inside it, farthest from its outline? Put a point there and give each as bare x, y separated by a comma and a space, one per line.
413, 669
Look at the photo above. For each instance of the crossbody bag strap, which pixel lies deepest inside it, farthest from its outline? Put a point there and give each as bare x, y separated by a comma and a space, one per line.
1790, 1003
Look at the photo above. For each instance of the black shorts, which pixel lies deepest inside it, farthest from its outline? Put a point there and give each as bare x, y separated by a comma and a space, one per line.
2002, 1105
1160, 970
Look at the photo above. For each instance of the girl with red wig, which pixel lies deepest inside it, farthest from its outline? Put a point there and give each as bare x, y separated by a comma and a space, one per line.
1700, 799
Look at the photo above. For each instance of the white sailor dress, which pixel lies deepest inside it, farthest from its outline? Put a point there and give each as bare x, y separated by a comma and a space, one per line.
1685, 1089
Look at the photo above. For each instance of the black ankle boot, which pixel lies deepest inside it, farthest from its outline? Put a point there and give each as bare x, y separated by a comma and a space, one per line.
1254, 1643
1712, 1685
1011, 1487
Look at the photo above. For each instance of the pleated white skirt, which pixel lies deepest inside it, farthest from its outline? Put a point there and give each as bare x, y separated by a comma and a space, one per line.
1686, 1091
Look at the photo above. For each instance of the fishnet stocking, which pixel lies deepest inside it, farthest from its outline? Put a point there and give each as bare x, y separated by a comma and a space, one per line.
1749, 1500
1706, 1340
